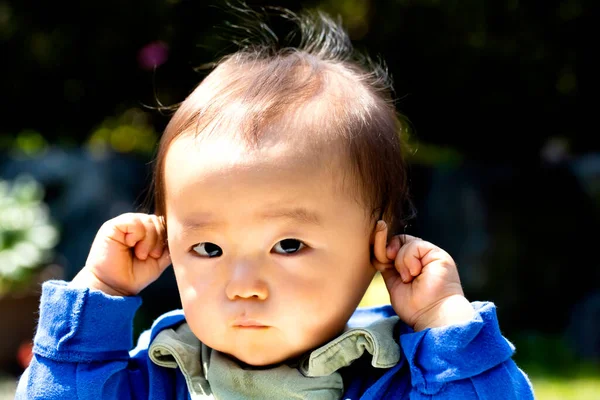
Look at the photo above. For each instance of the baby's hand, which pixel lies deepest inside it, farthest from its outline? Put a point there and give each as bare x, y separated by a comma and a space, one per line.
128, 253
422, 280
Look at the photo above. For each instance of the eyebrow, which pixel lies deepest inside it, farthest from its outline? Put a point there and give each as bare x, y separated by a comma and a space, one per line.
300, 215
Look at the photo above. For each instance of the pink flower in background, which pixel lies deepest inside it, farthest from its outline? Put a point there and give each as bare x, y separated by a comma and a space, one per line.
153, 55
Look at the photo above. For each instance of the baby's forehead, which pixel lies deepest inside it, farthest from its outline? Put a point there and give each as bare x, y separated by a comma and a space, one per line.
277, 149
219, 159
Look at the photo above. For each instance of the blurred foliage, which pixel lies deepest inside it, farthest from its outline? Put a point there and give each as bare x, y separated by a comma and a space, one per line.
551, 356
30, 142
27, 233
27, 143
129, 132
353, 13
433, 155
577, 388
556, 372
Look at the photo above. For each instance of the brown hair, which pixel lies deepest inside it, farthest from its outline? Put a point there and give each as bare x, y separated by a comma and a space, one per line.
348, 98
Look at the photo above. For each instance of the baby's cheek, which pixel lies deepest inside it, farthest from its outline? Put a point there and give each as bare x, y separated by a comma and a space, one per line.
314, 312
195, 298
204, 321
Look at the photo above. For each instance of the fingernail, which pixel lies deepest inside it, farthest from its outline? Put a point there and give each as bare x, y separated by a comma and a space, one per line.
404, 276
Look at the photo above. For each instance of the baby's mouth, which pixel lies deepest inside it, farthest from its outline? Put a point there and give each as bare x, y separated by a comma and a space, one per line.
246, 323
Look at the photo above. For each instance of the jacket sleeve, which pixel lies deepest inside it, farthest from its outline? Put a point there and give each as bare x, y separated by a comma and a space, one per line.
81, 347
465, 361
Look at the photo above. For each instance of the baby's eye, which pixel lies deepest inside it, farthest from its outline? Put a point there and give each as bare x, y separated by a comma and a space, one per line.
207, 249
289, 246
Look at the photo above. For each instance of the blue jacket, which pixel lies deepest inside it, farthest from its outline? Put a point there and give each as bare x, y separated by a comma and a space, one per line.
83, 350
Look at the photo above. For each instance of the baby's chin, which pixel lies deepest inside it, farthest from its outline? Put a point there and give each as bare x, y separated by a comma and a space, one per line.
263, 358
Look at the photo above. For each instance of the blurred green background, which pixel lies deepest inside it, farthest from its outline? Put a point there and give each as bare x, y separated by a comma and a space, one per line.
506, 176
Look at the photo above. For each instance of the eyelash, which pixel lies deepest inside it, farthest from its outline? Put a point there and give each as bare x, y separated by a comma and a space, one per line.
302, 247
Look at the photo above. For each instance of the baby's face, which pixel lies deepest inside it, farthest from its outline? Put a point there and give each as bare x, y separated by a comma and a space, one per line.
270, 257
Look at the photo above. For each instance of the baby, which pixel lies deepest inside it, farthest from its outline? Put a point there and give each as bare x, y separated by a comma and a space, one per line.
280, 191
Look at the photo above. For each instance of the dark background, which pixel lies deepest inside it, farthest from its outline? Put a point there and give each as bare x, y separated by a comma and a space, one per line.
506, 176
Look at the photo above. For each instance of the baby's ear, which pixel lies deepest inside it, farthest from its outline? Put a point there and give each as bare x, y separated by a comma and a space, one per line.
378, 244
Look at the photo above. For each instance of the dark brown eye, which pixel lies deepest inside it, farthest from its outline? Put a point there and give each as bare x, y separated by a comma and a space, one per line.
289, 246
207, 249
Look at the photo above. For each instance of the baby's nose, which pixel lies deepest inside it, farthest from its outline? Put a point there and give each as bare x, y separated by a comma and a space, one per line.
246, 283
